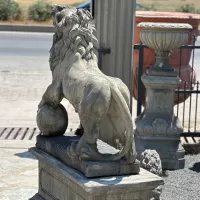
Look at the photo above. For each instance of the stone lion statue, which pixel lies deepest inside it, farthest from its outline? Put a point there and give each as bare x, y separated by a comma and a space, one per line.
102, 102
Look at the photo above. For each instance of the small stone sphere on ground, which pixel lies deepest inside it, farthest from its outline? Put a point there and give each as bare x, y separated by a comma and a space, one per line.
150, 160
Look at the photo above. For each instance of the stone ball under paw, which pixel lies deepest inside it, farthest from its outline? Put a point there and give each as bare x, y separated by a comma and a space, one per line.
52, 120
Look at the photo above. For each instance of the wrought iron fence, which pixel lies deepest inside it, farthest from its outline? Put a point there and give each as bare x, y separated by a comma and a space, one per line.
187, 110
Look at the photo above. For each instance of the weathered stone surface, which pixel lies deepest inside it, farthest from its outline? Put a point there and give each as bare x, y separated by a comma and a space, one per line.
57, 146
102, 102
157, 128
170, 150
58, 181
150, 160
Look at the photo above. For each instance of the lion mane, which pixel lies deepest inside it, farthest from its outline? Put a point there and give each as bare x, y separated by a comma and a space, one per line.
75, 31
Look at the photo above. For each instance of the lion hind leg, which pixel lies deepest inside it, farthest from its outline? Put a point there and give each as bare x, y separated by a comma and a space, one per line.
93, 107
87, 145
92, 110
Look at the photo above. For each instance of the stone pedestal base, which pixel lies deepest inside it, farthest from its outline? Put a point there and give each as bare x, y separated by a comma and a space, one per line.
57, 147
170, 150
58, 181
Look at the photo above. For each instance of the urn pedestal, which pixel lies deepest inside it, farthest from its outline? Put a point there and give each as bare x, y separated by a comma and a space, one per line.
157, 127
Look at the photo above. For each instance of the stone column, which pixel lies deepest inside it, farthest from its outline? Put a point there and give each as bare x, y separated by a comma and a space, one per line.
114, 20
157, 127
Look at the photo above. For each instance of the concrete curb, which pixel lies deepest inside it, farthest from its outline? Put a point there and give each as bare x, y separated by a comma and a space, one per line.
27, 28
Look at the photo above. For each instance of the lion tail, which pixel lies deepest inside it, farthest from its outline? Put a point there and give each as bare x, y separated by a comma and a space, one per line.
129, 142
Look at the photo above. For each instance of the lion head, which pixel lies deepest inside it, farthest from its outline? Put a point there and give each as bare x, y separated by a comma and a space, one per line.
74, 30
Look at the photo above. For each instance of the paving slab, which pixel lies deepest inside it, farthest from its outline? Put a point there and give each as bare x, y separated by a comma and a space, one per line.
18, 170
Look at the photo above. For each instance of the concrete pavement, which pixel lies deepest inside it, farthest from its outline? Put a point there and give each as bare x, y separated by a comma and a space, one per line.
24, 76
18, 170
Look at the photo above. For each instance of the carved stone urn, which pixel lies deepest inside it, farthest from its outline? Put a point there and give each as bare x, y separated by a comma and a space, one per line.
163, 38
178, 60
156, 127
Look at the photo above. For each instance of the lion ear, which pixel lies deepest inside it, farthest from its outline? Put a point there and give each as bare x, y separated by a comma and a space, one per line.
84, 16
88, 14
56, 8
59, 19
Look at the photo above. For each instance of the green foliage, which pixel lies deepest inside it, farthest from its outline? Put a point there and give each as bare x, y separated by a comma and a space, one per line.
150, 7
188, 8
40, 11
9, 9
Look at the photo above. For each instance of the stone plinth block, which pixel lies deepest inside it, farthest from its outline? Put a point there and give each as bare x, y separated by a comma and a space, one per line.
157, 127
170, 150
61, 182
57, 146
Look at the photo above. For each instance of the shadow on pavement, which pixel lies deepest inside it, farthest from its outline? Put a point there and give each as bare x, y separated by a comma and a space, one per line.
25, 154
195, 167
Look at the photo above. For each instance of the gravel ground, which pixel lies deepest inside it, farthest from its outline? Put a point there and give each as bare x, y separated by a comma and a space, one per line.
183, 184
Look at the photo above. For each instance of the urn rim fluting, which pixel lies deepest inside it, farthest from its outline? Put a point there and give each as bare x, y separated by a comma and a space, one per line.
164, 36
161, 25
